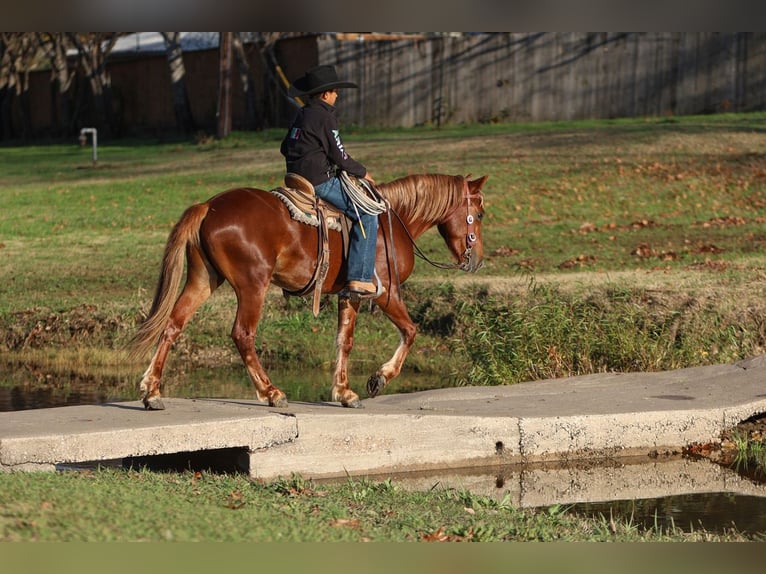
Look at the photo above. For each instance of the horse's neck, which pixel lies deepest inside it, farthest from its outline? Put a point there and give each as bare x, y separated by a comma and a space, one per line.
415, 225
416, 228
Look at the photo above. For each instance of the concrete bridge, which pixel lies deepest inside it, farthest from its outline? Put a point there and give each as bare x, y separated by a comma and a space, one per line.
612, 417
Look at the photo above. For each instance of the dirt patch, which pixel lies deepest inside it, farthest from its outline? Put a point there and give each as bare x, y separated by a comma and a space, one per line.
725, 451
37, 328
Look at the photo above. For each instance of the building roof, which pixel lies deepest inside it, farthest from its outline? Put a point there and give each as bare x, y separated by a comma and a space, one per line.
154, 43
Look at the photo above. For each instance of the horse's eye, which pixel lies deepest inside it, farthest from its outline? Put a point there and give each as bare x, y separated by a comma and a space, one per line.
480, 215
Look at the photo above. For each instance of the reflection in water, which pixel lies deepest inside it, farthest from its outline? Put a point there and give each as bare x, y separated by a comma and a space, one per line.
22, 389
714, 512
23, 398
689, 495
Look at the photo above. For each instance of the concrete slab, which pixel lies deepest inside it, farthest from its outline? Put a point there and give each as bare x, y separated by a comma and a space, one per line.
587, 417
44, 438
603, 416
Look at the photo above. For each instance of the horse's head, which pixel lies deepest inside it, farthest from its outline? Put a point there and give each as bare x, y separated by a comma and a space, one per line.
461, 229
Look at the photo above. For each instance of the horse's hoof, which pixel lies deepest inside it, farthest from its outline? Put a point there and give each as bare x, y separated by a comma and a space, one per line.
154, 404
375, 384
354, 404
279, 403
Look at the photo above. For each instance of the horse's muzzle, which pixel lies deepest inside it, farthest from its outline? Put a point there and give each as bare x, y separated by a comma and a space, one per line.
472, 263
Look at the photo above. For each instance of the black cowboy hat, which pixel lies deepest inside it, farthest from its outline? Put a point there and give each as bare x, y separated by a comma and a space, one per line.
318, 79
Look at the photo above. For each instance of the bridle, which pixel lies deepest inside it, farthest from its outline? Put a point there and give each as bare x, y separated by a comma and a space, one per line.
470, 233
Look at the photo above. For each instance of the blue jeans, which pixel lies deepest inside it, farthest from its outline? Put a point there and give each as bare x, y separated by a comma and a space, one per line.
361, 252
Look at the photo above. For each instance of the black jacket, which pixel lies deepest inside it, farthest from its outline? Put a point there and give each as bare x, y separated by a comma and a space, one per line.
312, 146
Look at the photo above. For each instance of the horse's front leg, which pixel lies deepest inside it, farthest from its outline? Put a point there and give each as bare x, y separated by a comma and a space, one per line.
397, 313
348, 309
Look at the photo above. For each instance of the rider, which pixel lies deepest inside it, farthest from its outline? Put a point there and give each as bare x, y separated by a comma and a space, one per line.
313, 149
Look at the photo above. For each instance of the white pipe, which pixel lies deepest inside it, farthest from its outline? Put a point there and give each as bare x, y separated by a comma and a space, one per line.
84, 137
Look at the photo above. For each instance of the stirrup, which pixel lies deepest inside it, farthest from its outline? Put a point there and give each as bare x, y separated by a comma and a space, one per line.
364, 289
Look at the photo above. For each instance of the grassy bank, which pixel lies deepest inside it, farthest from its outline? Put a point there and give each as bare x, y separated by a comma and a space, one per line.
548, 331
109, 505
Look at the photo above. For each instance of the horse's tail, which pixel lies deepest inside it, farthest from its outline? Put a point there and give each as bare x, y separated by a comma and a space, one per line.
185, 233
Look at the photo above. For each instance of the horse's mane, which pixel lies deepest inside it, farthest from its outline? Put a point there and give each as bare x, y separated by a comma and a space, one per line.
427, 197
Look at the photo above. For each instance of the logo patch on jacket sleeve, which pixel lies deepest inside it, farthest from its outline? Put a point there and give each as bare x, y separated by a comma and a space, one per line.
336, 135
295, 133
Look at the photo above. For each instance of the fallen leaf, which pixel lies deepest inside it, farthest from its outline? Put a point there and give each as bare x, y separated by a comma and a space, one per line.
348, 522
235, 501
441, 536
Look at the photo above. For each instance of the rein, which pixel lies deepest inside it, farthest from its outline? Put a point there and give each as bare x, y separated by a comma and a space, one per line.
418, 251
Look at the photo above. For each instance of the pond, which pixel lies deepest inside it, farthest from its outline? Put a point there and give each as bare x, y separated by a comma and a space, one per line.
671, 492
23, 388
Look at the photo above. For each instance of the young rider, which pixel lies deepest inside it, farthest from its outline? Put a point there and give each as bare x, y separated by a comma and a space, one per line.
313, 149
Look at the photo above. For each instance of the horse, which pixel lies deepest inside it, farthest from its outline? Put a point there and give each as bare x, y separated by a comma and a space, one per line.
246, 236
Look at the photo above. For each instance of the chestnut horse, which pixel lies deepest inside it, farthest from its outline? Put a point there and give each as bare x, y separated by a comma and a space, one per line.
247, 237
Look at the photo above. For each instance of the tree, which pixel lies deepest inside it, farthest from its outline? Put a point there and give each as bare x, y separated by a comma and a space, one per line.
17, 53
253, 115
225, 53
6, 89
181, 107
55, 45
93, 48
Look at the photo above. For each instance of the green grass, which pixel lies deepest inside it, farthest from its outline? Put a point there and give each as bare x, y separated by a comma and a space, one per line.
749, 454
546, 332
672, 206
113, 505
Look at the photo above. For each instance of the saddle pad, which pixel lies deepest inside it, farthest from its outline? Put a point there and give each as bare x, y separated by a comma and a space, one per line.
301, 208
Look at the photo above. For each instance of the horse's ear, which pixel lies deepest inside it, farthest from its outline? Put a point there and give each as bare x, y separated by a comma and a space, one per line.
479, 182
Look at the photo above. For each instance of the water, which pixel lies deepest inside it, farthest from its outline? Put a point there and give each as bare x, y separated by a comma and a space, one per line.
714, 512
680, 493
22, 389
674, 492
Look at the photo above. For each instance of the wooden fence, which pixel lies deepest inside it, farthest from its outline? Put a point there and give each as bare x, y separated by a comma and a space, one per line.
449, 79
511, 77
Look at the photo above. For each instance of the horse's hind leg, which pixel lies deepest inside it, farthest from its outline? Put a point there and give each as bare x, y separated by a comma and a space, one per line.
200, 283
249, 307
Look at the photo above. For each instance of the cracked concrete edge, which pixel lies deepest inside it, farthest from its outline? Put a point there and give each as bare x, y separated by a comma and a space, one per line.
386, 442
581, 436
627, 432
44, 452
380, 443
732, 416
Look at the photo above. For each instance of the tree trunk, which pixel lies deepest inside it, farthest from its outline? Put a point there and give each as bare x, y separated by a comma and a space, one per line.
17, 52
181, 107
224, 85
253, 119
55, 47
5, 91
93, 50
